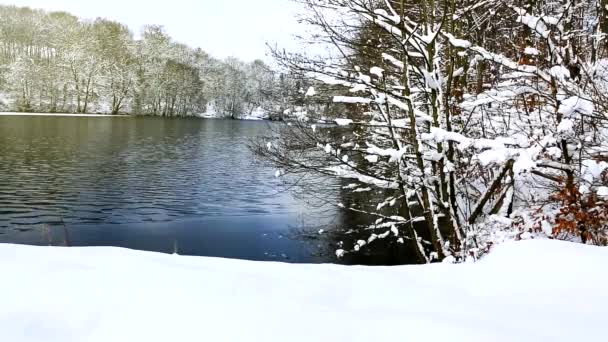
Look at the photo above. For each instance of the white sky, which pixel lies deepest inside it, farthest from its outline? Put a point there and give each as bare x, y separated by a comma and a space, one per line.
223, 28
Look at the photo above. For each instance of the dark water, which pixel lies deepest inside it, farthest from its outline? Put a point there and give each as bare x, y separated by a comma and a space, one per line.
147, 183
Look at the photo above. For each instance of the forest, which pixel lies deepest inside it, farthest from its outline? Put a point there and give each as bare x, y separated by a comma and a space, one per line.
57, 63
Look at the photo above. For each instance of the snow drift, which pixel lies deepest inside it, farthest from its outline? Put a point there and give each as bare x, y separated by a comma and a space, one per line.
524, 291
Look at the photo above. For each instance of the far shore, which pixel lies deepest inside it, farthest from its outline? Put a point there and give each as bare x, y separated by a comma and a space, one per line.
59, 114
245, 118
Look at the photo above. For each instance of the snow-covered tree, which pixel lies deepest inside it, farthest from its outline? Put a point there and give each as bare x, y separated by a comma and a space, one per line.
485, 119
56, 62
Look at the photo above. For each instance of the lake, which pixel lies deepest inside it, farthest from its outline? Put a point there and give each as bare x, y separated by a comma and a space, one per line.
186, 185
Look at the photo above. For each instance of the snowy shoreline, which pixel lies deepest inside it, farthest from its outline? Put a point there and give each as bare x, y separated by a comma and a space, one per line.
61, 114
523, 291
245, 118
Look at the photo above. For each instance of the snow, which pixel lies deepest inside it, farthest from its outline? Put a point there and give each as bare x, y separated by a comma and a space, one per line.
602, 191
460, 43
560, 72
592, 170
382, 13
257, 113
537, 24
311, 92
531, 51
393, 60
535, 290
575, 104
351, 99
347, 172
525, 162
565, 126
377, 71
343, 122
359, 87
395, 155
250, 118
372, 159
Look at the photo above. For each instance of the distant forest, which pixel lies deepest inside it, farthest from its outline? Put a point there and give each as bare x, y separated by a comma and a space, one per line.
56, 62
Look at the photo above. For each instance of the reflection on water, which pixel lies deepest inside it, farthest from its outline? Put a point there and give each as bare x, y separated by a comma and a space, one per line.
146, 183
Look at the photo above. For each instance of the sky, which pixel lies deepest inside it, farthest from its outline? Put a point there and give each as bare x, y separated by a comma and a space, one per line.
239, 28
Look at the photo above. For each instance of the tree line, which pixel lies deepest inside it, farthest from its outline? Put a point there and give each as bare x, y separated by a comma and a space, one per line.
56, 62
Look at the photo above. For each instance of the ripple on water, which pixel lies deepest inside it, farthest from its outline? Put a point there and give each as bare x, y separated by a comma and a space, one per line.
91, 170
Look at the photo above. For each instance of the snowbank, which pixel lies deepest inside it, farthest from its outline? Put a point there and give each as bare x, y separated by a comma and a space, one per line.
525, 291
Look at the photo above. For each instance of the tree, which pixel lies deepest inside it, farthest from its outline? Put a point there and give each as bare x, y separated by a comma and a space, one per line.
473, 136
114, 45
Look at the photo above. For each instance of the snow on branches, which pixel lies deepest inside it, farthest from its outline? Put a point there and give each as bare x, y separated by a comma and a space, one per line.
479, 140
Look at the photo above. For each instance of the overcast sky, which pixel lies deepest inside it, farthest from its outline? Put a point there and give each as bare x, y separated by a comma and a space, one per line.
223, 28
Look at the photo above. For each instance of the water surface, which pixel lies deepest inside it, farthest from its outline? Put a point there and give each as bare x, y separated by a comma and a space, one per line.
148, 183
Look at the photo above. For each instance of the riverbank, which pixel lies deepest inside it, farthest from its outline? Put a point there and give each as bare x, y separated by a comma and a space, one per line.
524, 291
244, 118
60, 114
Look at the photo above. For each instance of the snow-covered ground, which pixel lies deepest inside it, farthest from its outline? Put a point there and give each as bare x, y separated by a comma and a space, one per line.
58, 114
525, 291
